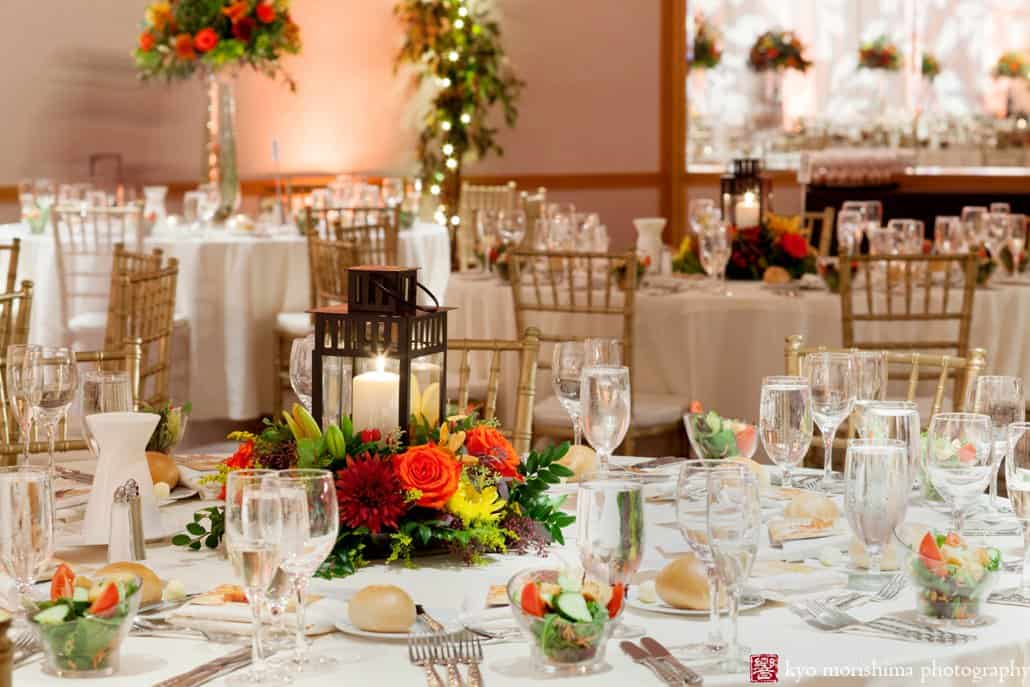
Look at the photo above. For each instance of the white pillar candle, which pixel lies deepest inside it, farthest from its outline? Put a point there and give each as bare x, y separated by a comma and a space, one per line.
746, 211
376, 398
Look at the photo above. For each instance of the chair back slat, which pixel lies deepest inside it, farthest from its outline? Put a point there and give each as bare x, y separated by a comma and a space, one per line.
823, 221
330, 260
535, 207
13, 249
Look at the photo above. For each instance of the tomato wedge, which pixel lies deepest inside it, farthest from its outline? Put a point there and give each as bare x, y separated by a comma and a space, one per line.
532, 604
618, 596
62, 586
967, 454
106, 602
929, 552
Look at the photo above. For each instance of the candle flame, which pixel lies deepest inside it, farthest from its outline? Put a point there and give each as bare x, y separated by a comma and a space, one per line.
380, 363
749, 198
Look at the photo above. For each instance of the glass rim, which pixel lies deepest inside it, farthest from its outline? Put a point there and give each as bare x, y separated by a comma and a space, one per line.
298, 474
785, 379
598, 369
994, 377
24, 469
877, 443
832, 355
961, 416
1020, 424
716, 463
873, 405
106, 375
599, 483
882, 355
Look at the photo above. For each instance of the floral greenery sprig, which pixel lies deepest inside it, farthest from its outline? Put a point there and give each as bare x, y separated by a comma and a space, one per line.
707, 51
180, 37
198, 534
931, 67
776, 50
880, 53
456, 46
1013, 65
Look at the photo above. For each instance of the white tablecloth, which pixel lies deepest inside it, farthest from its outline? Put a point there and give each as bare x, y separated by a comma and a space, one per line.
716, 349
230, 290
440, 583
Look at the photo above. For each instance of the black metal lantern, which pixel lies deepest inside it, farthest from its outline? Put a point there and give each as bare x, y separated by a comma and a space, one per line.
380, 360
746, 194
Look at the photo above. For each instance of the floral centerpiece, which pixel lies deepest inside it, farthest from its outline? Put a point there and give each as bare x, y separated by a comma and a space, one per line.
1012, 65
707, 52
778, 50
458, 487
621, 271
931, 67
777, 242
879, 53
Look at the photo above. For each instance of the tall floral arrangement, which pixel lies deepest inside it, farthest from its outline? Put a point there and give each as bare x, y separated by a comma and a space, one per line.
778, 50
930, 67
707, 51
181, 37
879, 53
455, 46
459, 487
1013, 65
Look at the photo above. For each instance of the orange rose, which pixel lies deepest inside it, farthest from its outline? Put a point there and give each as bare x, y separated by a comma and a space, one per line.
146, 41
265, 13
430, 470
237, 10
486, 442
206, 39
184, 47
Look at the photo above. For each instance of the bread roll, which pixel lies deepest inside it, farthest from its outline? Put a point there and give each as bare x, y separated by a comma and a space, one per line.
381, 608
163, 469
810, 505
123, 570
683, 583
582, 460
756, 468
776, 275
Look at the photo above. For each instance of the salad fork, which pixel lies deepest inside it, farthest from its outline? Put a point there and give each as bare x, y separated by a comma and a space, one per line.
887, 592
24, 647
836, 619
470, 652
419, 655
444, 651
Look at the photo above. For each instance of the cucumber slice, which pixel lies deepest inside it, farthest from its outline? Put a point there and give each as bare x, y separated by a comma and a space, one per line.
573, 606
569, 584
52, 616
81, 594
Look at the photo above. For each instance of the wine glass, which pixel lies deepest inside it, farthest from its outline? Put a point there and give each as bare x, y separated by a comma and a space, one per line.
393, 191
733, 524
486, 230
310, 525
876, 487
699, 212
949, 235
1017, 482
714, 247
1017, 240
692, 521
973, 217
1001, 208
870, 379
605, 406
603, 351
27, 534
103, 392
20, 389
1001, 399
997, 231
849, 231
253, 537
958, 460
610, 538
191, 204
785, 421
566, 368
44, 193
511, 226
58, 382
207, 202
300, 368
895, 420
831, 377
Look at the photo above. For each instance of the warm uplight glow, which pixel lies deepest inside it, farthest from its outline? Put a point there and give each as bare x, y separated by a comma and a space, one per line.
380, 363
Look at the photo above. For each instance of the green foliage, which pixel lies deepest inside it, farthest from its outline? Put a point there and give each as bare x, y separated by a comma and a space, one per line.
540, 471
197, 534
347, 556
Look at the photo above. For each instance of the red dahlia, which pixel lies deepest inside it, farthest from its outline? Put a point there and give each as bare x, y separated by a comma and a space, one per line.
370, 494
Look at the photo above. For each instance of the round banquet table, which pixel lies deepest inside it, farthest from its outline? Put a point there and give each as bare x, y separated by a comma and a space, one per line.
806, 656
230, 289
701, 345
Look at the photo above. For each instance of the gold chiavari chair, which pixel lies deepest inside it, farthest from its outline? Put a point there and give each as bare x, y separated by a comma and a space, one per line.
84, 241
143, 309
126, 359
328, 221
528, 352
544, 283
13, 249
15, 315
473, 199
823, 222
535, 207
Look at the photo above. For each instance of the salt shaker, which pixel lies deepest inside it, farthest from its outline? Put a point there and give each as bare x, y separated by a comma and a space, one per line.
125, 538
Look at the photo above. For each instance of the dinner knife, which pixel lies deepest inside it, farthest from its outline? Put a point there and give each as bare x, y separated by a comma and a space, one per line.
662, 671
432, 623
659, 651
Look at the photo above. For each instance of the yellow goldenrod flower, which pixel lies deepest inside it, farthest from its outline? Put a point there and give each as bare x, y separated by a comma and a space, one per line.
475, 505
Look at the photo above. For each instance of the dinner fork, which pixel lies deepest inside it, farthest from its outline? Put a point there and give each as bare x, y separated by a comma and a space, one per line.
24, 643
470, 652
419, 655
887, 592
837, 619
444, 651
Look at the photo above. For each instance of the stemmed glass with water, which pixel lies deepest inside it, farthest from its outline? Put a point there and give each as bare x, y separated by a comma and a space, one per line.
27, 534
958, 460
300, 369
870, 380
831, 377
606, 409
895, 420
54, 389
785, 421
566, 369
21, 388
1017, 482
849, 231
511, 226
715, 244
1001, 399
103, 392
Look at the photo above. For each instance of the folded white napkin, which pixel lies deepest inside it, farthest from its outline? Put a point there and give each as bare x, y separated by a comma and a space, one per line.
789, 586
235, 618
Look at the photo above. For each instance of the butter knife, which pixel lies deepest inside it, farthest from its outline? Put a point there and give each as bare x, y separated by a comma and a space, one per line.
431, 622
661, 671
662, 654
238, 658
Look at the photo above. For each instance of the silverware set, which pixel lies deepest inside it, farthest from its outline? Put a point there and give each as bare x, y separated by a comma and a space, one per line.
826, 617
652, 654
887, 592
73, 475
449, 651
211, 670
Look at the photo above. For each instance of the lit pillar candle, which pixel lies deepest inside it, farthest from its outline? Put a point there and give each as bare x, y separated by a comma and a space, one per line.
376, 398
746, 211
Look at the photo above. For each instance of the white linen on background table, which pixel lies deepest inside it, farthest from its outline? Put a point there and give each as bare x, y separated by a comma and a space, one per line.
230, 289
444, 583
716, 349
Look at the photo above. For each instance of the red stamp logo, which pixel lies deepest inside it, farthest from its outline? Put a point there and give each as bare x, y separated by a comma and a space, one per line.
764, 668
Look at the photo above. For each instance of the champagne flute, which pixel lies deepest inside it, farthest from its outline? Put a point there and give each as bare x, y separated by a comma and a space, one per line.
958, 460
870, 380
103, 392
785, 421
895, 420
20, 359
566, 369
27, 534
831, 377
310, 526
253, 537
876, 488
733, 525
605, 399
610, 539
300, 368
58, 383
1001, 399
1017, 481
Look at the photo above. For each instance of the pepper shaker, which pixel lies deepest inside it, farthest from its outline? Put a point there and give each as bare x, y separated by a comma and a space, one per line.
137, 537
125, 539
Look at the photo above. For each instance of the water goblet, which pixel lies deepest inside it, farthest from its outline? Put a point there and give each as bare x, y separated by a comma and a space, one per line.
103, 392
870, 379
54, 391
997, 232
715, 245
973, 219
958, 460
1000, 398
785, 421
849, 231
606, 409
566, 369
999, 207
300, 368
21, 383
1017, 482
511, 226
949, 236
895, 420
27, 535
831, 377
598, 351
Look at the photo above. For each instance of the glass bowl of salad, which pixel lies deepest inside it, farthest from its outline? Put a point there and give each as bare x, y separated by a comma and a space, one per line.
713, 436
952, 577
81, 630
567, 621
